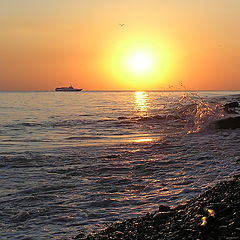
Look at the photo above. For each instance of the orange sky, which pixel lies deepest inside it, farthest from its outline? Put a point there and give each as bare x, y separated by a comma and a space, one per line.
193, 45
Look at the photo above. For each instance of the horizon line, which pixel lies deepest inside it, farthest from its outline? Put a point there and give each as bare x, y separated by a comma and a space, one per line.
184, 90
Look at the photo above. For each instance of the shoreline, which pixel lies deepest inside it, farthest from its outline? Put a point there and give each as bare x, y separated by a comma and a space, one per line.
214, 214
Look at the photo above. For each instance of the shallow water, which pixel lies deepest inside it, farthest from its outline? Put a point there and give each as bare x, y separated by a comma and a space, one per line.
71, 162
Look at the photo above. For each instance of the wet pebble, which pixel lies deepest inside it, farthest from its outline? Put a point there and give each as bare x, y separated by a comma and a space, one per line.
162, 215
164, 208
212, 215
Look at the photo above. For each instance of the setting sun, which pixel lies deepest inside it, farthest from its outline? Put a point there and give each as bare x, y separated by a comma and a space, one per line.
141, 62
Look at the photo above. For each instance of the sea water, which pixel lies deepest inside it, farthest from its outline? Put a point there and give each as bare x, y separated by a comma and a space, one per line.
71, 162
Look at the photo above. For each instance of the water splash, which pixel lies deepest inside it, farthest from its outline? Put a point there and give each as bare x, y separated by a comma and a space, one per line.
198, 113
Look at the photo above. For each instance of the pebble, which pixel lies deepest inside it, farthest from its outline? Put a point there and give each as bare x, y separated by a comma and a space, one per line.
211, 215
164, 208
162, 215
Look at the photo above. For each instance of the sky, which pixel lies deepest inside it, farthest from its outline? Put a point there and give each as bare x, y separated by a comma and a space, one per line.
120, 45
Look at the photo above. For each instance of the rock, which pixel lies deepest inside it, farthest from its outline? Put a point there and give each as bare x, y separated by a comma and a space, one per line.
79, 236
229, 107
204, 221
228, 123
164, 208
162, 215
210, 212
218, 206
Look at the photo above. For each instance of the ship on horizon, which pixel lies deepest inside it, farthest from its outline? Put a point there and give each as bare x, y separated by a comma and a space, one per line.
68, 89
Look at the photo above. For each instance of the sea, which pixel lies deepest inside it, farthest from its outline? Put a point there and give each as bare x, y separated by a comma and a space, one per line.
74, 162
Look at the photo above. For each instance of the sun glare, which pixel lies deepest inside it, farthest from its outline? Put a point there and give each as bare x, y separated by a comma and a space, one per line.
140, 65
140, 62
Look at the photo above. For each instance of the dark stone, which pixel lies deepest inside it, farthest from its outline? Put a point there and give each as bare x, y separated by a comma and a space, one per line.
218, 206
230, 107
225, 210
162, 215
209, 212
79, 236
164, 208
228, 123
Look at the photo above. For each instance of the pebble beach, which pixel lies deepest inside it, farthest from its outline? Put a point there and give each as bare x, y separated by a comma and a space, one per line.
212, 215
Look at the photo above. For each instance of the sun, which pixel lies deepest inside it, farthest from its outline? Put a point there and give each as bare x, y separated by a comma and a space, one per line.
140, 62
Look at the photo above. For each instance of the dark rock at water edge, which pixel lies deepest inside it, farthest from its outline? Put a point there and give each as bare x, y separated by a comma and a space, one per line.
231, 107
212, 215
164, 208
228, 123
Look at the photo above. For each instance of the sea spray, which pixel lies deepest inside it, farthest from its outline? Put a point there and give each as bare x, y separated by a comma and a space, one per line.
198, 113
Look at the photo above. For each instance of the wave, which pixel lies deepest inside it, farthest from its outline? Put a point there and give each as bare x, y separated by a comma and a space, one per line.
84, 138
23, 124
190, 114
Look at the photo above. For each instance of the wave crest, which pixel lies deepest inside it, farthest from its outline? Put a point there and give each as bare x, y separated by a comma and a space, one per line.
199, 114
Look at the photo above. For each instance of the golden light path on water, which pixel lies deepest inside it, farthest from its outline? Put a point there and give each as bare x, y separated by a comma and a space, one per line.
142, 105
144, 140
141, 102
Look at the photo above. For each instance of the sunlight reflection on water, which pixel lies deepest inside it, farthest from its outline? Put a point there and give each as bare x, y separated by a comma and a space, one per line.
141, 101
144, 140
